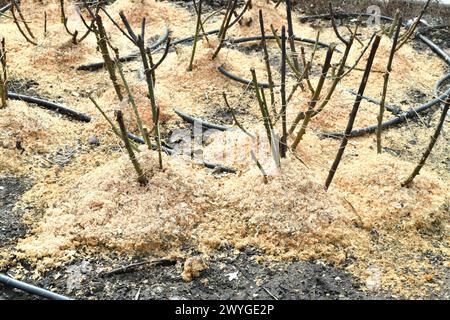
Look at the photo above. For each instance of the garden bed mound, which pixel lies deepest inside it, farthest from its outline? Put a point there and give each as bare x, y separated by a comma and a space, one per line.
185, 205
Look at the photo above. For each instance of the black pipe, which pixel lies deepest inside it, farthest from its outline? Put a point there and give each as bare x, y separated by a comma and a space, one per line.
191, 38
5, 8
204, 124
441, 82
130, 57
51, 106
8, 281
299, 39
438, 87
394, 121
139, 140
258, 38
239, 79
441, 53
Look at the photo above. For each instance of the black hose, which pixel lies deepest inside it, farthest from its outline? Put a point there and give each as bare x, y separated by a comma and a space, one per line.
130, 57
239, 79
441, 53
258, 38
299, 39
5, 8
139, 140
204, 124
438, 86
51, 106
412, 113
8, 281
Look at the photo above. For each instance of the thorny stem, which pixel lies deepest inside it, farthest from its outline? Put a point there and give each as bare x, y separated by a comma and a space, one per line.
102, 41
266, 60
306, 69
139, 42
132, 102
64, 21
333, 23
427, 152
151, 95
306, 66
353, 113
260, 167
361, 54
22, 18
225, 25
283, 141
3, 75
248, 5
394, 24
413, 28
16, 21
227, 12
198, 11
315, 98
385, 85
272, 137
263, 107
197, 31
340, 73
141, 177
291, 34
45, 24
297, 73
113, 127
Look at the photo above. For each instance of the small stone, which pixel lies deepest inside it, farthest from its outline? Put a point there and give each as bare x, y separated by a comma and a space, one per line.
93, 141
192, 268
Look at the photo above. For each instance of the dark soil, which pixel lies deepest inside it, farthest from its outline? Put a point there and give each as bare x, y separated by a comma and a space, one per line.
11, 227
441, 37
230, 275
